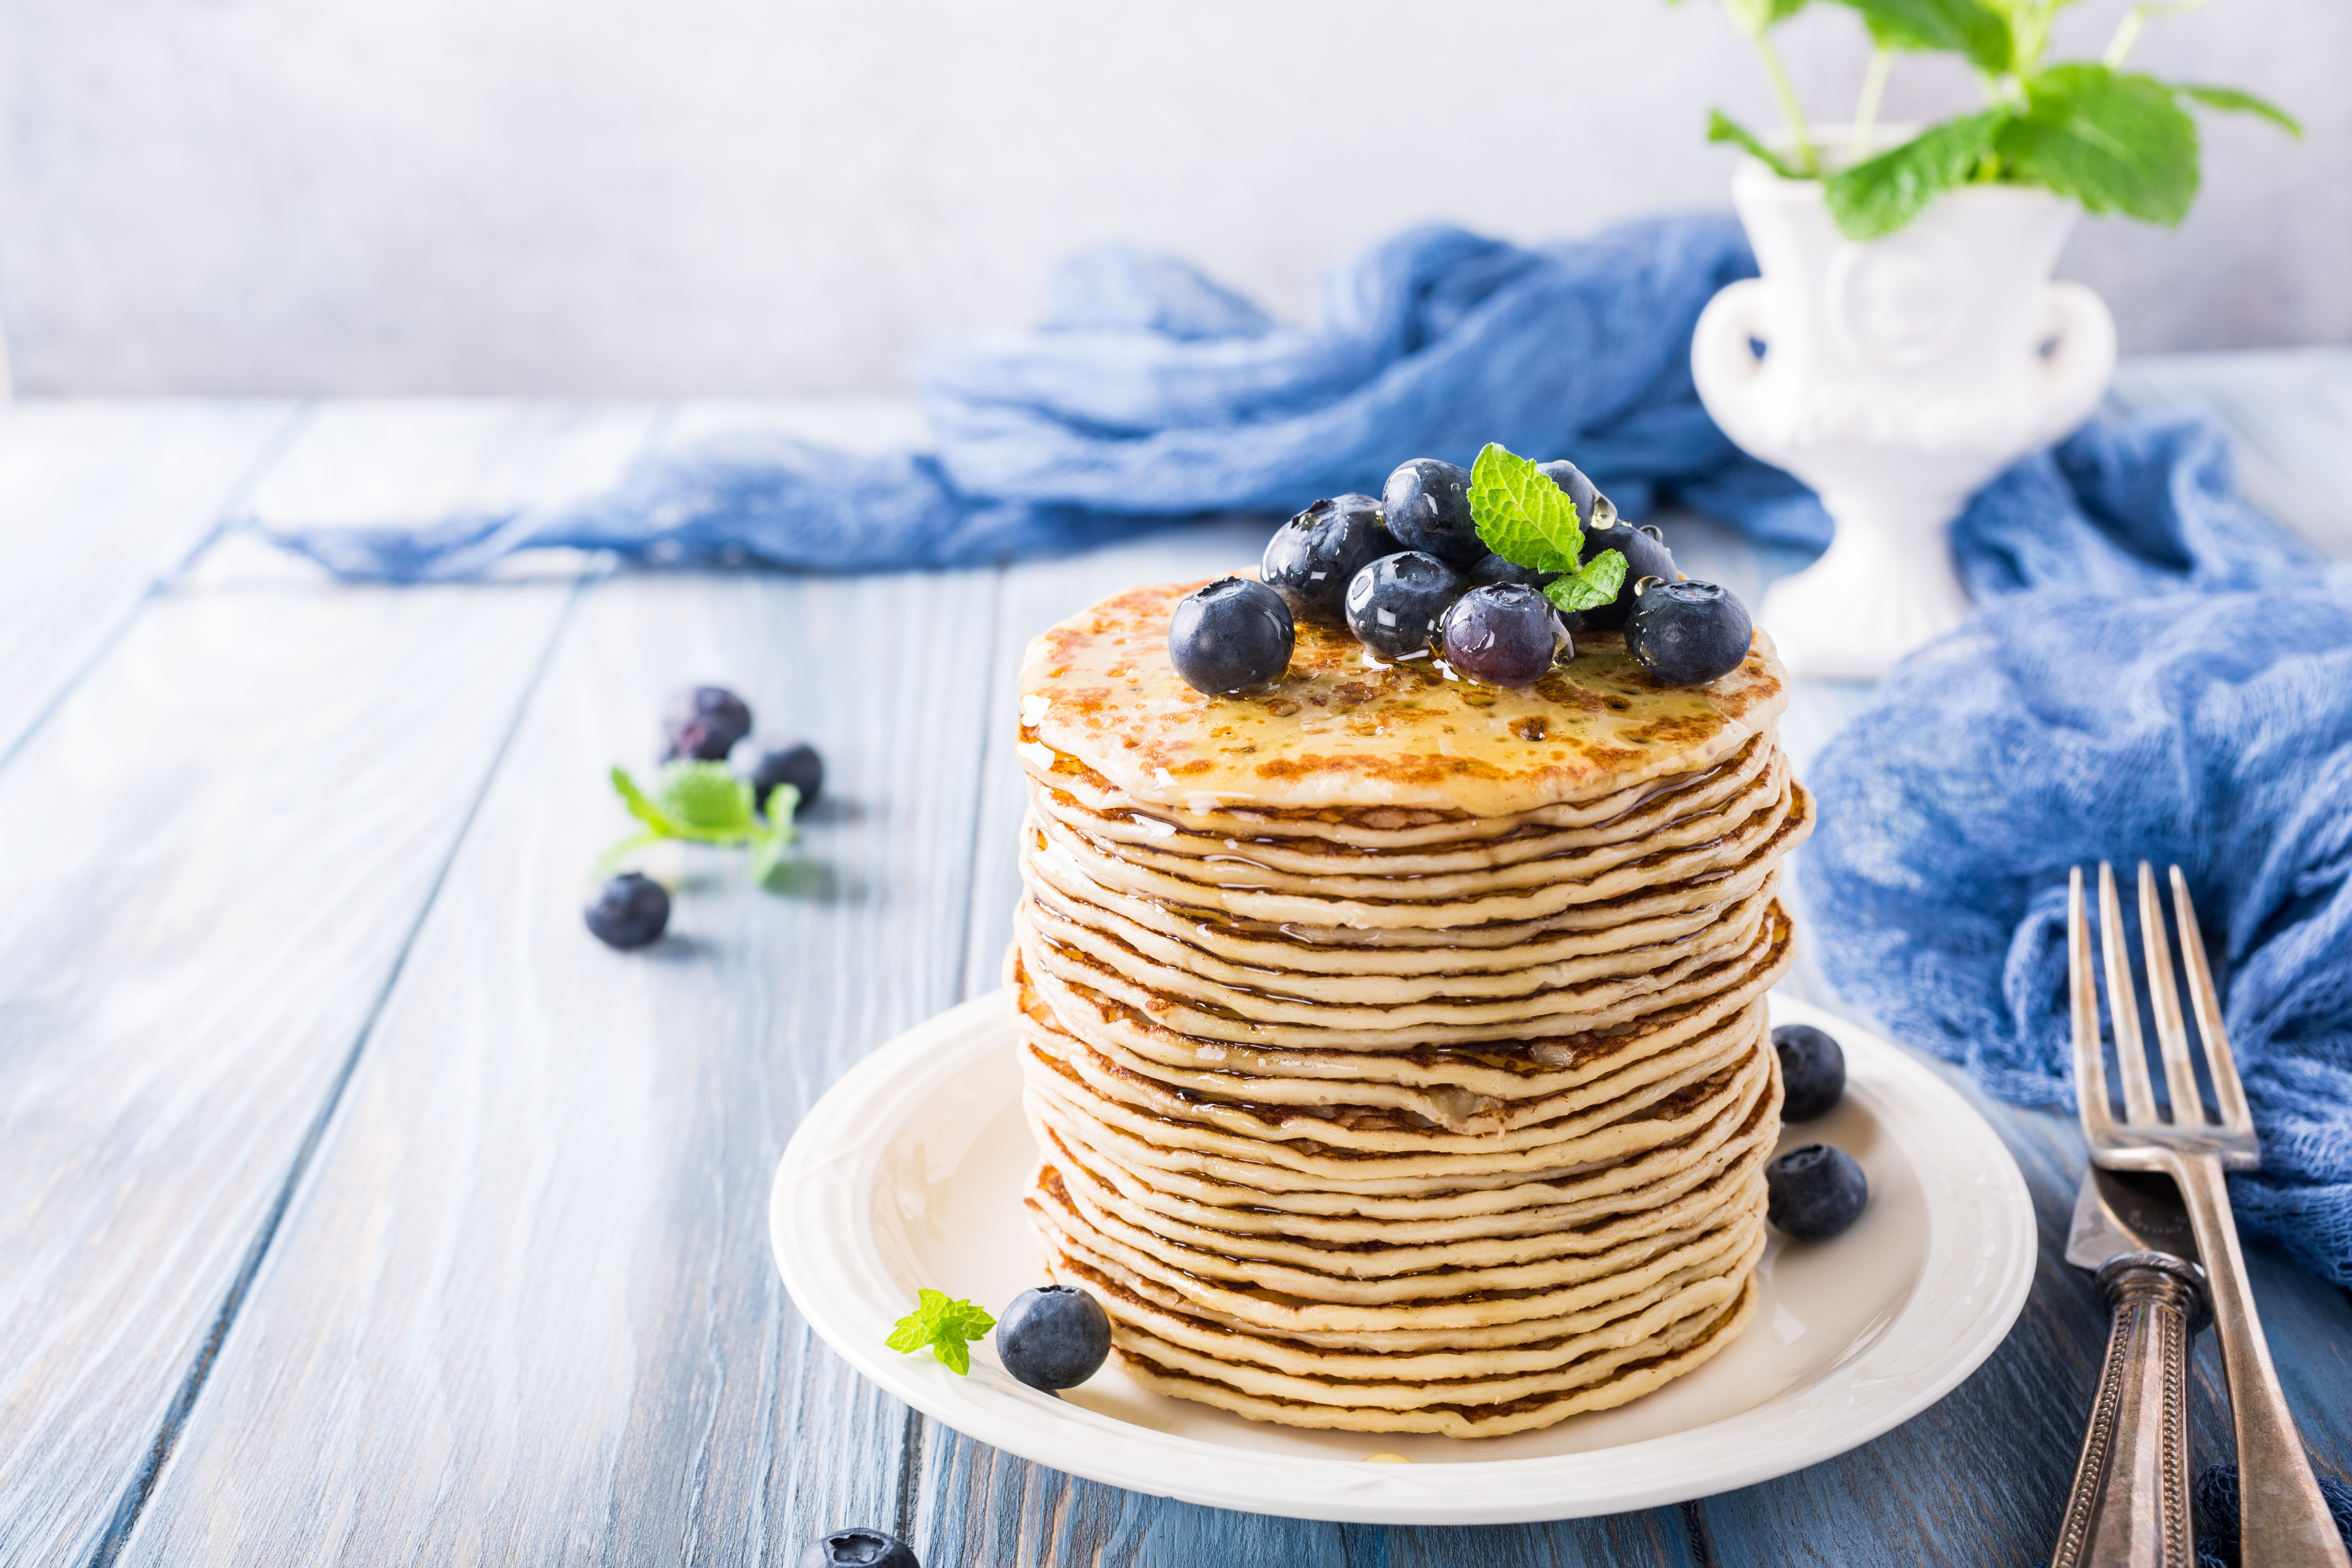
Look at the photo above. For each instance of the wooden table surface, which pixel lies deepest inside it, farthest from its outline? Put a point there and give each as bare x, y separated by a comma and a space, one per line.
360, 1208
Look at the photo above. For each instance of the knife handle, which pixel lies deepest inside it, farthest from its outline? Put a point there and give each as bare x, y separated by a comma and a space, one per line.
2129, 1505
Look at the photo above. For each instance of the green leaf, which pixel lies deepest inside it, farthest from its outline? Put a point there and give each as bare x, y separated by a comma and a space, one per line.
644, 810
1752, 16
1969, 27
1590, 585
2231, 100
705, 801
2112, 142
1721, 127
944, 1324
1521, 515
1881, 196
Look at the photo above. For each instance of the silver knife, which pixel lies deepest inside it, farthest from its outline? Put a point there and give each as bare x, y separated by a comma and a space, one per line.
2129, 1504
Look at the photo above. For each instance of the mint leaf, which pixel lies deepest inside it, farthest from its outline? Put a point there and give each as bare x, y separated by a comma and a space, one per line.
1881, 196
1521, 515
1753, 16
946, 1325
768, 843
2231, 102
2112, 142
1969, 27
705, 801
644, 810
1590, 585
1721, 127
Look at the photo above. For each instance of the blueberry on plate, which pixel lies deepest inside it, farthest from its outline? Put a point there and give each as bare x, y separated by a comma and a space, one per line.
1231, 633
629, 911
858, 1548
1395, 604
703, 723
1506, 634
1812, 1071
1815, 1193
1312, 558
1687, 634
763, 762
1427, 504
1055, 1336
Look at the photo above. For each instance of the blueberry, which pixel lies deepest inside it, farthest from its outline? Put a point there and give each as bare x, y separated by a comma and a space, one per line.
704, 724
1394, 604
1312, 558
1815, 1193
1812, 1071
1055, 1336
629, 911
1594, 509
1427, 504
1506, 634
858, 1548
764, 762
1231, 633
1687, 634
1493, 568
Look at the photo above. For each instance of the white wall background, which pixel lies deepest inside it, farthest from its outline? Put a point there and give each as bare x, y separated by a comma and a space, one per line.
654, 196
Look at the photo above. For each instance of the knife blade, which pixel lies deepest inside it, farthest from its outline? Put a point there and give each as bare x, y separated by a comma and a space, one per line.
2128, 1211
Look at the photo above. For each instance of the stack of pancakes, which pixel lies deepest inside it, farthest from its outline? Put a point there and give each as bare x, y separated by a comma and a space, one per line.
1395, 1045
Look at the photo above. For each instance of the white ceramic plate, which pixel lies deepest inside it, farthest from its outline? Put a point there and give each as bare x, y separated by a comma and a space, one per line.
908, 1172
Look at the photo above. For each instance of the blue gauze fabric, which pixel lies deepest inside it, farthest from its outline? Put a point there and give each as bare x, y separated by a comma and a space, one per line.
1152, 395
2155, 672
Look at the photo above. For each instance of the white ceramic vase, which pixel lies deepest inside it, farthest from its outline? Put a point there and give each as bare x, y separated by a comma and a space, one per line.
1898, 376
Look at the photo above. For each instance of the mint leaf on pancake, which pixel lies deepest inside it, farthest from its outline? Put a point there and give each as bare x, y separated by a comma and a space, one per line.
1590, 585
1521, 515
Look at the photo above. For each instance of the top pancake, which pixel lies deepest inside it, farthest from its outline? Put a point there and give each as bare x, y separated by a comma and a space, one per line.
1340, 729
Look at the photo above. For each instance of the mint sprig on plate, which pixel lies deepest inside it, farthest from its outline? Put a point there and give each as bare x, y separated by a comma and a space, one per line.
1530, 521
948, 1326
704, 803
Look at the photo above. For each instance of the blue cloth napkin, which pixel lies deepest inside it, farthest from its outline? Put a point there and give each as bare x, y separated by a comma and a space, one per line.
1152, 394
2155, 672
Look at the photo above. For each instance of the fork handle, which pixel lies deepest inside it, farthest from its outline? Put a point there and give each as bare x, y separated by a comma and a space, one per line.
2129, 1504
2283, 1521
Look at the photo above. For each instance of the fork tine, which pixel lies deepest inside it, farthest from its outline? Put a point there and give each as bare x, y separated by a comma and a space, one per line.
2201, 996
2090, 1061
2164, 1003
2131, 1051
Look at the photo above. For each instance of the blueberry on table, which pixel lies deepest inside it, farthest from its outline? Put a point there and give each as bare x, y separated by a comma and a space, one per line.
1231, 633
1506, 634
1687, 634
1815, 1193
1395, 606
1812, 1071
629, 911
1312, 558
703, 723
1427, 504
764, 762
1055, 1336
858, 1548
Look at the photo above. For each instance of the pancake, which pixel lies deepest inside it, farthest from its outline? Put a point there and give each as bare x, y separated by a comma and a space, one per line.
1394, 1045
1333, 730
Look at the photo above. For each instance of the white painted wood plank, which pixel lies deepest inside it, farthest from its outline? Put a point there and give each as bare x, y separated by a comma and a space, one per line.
2288, 413
99, 500
524, 1312
217, 846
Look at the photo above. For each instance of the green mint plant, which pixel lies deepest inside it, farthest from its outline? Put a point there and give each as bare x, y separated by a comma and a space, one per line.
705, 803
1530, 521
946, 1325
2115, 140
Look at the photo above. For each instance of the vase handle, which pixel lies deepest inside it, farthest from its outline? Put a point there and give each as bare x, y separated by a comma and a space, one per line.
1725, 368
2081, 359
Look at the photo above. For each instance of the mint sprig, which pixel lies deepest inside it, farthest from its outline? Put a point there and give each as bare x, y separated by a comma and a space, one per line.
946, 1325
704, 803
1530, 521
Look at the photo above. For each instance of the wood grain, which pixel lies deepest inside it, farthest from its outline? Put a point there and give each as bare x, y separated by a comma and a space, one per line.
525, 1310
102, 500
2288, 414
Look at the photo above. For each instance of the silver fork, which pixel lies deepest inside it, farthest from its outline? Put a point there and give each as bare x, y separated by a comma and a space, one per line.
2284, 1519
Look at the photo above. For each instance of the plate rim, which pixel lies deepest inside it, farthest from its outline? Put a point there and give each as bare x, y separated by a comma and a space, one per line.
822, 1191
